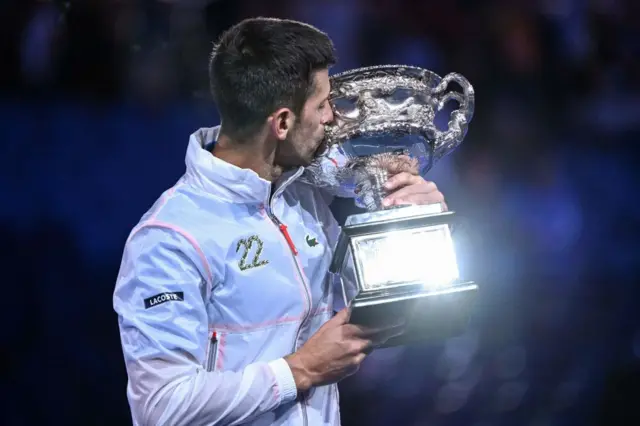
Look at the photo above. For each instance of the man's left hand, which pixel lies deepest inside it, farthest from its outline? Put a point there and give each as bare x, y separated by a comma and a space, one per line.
407, 188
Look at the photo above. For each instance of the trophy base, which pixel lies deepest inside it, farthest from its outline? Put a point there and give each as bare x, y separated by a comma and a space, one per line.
428, 315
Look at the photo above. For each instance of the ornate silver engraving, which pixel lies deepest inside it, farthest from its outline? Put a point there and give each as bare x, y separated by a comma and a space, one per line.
383, 113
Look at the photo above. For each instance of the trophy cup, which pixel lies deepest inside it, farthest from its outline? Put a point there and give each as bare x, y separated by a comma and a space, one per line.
395, 263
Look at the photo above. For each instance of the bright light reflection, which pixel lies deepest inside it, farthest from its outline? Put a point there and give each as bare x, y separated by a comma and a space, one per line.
415, 255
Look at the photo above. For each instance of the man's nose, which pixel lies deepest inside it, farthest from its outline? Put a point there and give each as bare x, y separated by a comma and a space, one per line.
328, 118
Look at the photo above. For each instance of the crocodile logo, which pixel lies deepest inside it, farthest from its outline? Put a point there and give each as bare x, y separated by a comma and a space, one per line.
311, 241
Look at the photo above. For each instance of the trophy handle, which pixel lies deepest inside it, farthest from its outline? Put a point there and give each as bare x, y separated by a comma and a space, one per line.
448, 140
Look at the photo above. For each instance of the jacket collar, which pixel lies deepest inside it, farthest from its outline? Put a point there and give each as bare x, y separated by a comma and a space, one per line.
224, 180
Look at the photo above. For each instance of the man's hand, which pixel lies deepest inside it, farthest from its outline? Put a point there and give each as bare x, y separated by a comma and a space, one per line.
335, 351
407, 188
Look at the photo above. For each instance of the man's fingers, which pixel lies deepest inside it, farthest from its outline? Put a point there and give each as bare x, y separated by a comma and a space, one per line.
390, 332
357, 360
355, 331
415, 199
342, 316
422, 194
382, 337
400, 180
363, 345
367, 332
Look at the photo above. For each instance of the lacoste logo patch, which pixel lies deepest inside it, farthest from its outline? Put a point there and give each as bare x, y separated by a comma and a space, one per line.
158, 299
311, 241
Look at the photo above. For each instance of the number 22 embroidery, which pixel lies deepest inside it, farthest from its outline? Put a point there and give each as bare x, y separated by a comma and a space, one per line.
248, 244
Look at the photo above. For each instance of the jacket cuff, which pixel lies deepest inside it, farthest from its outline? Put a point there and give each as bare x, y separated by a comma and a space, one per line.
285, 382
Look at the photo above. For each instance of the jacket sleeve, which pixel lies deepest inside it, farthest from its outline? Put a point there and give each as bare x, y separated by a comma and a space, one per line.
159, 298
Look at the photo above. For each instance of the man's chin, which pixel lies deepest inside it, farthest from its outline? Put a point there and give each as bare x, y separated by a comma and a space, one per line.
306, 162
300, 162
321, 149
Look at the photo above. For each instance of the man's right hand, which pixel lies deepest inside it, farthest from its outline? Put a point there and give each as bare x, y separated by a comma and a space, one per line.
335, 351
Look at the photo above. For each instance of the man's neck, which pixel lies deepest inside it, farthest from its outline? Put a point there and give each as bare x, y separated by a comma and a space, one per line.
256, 154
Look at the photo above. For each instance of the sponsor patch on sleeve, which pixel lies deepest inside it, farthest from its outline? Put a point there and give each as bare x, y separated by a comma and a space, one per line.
158, 299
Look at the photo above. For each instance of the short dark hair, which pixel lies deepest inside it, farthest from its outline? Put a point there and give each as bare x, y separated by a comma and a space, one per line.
262, 64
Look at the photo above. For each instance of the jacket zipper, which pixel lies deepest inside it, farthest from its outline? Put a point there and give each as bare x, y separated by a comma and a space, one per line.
213, 352
294, 251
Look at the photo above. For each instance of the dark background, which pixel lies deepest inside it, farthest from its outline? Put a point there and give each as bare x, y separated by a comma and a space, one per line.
98, 99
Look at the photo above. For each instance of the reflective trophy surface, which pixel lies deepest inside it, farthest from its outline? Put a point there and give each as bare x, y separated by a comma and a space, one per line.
402, 259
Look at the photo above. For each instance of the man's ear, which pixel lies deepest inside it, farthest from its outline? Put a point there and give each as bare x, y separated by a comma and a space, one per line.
281, 123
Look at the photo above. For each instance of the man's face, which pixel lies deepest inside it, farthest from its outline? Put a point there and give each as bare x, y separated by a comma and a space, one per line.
304, 141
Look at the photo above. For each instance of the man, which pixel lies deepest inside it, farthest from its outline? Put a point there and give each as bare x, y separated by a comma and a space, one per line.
225, 303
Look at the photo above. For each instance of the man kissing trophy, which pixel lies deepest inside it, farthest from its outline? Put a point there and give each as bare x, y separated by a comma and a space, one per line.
396, 263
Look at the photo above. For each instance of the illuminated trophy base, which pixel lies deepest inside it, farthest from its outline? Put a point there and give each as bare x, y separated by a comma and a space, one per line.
405, 267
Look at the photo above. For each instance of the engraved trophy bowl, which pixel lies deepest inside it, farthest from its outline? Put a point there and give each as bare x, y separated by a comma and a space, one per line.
395, 264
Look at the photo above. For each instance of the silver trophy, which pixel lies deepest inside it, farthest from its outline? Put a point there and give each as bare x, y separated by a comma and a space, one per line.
403, 258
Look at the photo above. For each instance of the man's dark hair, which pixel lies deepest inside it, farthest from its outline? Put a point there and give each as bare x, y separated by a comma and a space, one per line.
262, 64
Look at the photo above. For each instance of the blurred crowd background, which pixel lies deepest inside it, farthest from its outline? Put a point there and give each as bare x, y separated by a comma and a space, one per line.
98, 98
